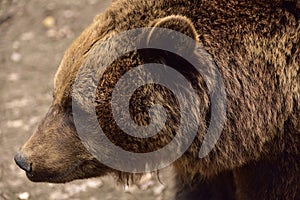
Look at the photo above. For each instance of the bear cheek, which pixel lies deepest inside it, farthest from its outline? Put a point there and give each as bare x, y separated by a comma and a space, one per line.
54, 151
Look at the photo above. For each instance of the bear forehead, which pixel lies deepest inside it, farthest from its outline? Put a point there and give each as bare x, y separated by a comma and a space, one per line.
73, 59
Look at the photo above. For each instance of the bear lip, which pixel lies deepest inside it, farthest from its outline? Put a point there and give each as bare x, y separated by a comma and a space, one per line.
54, 178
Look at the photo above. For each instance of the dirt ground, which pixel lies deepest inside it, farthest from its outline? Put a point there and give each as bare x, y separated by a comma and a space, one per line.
33, 37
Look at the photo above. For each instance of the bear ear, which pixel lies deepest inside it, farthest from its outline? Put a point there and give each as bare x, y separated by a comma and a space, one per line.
164, 32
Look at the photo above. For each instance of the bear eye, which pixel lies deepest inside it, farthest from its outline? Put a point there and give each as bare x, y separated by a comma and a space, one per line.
68, 109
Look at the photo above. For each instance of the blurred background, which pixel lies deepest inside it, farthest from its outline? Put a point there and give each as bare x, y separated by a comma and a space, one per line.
33, 37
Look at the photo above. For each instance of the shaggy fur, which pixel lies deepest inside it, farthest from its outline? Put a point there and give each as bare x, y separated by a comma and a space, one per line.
255, 45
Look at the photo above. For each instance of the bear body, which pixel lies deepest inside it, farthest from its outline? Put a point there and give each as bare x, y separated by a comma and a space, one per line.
255, 46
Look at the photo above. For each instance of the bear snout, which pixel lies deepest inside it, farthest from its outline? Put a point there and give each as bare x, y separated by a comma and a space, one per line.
22, 162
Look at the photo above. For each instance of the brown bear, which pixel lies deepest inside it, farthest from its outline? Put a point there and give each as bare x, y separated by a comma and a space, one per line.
255, 46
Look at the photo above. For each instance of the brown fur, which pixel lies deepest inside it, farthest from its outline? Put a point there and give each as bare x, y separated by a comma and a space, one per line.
255, 45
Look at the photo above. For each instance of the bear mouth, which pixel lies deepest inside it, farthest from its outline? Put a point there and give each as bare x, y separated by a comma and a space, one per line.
68, 175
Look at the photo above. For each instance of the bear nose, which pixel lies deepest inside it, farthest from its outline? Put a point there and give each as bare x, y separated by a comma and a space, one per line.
22, 162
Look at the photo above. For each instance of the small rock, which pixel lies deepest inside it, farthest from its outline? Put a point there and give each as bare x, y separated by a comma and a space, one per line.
65, 32
146, 185
34, 120
127, 189
23, 196
58, 195
94, 184
13, 77
15, 124
52, 33
51, 184
16, 57
158, 190
73, 189
146, 182
49, 22
27, 36
130, 189
146, 178
17, 103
